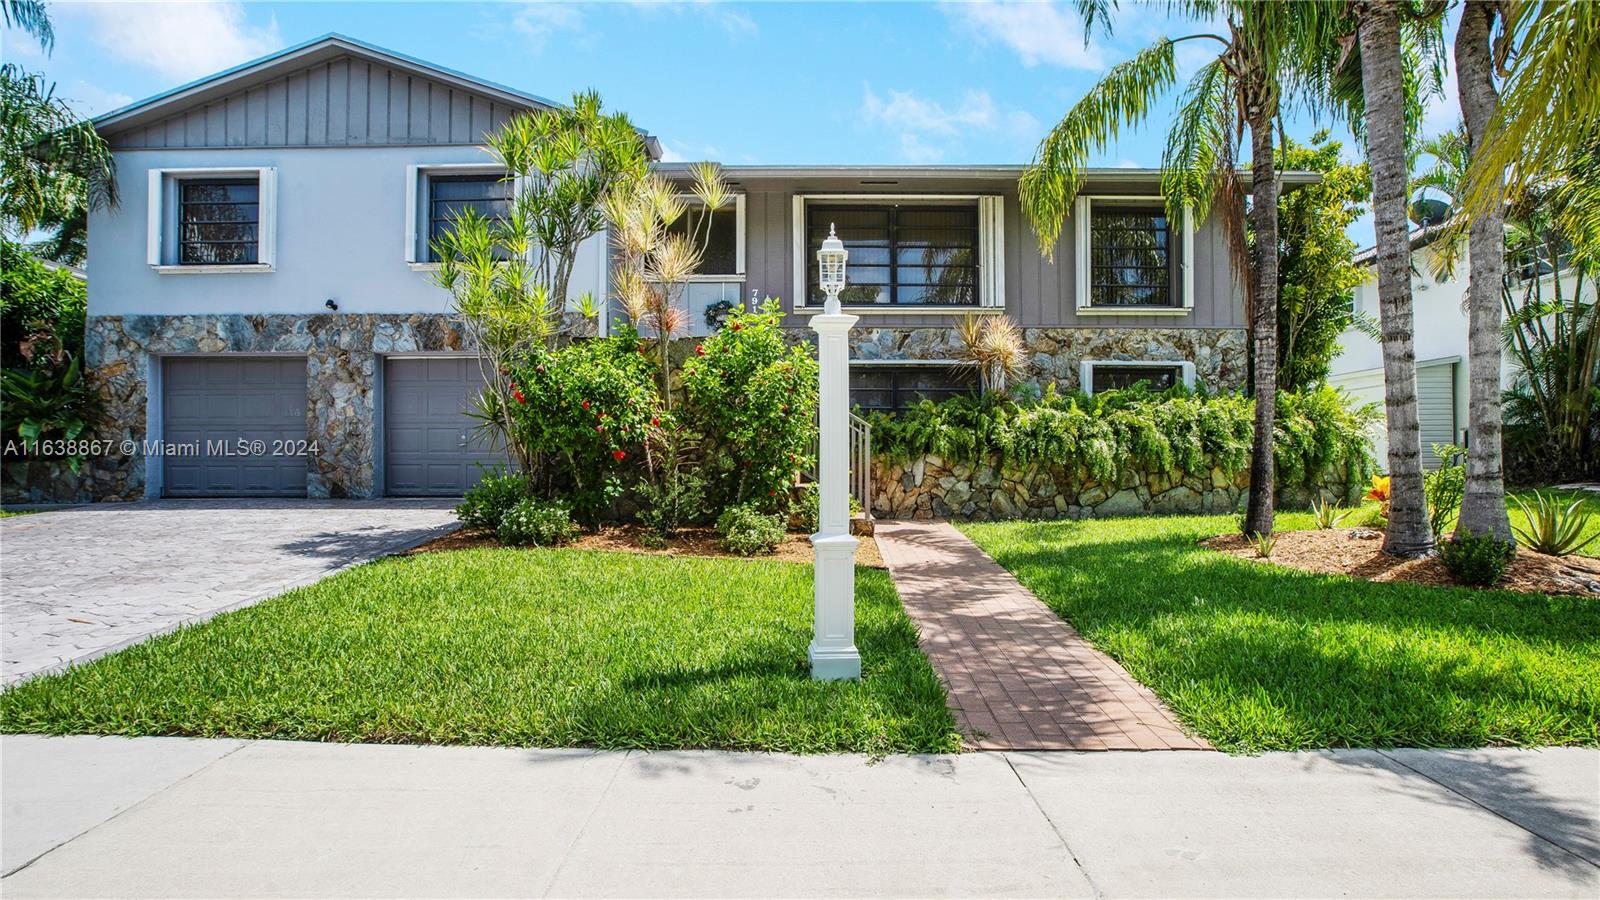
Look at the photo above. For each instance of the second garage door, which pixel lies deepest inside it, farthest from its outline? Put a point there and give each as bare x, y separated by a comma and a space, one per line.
430, 445
213, 403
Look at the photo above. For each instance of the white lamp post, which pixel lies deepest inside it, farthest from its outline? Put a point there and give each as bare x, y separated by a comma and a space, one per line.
833, 653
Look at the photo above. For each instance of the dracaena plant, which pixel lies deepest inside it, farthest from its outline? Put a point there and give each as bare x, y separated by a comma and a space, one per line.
993, 344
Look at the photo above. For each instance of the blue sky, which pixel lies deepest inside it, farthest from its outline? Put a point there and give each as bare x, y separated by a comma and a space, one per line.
738, 83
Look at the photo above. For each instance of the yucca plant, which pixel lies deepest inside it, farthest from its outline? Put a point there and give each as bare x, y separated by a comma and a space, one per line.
1551, 529
994, 344
1328, 514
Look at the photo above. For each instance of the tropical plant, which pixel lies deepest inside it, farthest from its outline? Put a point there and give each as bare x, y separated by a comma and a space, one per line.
30, 17
1381, 489
46, 405
485, 504
1476, 559
508, 276
1327, 514
1445, 487
994, 345
1380, 79
675, 498
1317, 276
537, 522
748, 530
46, 397
1263, 542
1258, 62
754, 398
1552, 529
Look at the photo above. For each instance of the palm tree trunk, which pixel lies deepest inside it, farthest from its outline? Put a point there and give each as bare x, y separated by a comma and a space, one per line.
1483, 506
1264, 317
1383, 81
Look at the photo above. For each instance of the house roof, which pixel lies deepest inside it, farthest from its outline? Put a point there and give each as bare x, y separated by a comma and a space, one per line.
303, 55
1420, 237
1291, 179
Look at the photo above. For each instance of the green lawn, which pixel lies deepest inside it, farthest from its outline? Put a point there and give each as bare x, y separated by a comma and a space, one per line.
1259, 657
519, 647
8, 513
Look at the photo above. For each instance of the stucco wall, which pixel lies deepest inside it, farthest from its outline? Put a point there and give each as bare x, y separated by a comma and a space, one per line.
341, 235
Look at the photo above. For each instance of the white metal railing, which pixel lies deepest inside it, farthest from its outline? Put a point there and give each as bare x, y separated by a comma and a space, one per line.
860, 462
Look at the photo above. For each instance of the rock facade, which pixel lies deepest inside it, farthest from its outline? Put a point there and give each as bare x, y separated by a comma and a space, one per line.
932, 487
1218, 354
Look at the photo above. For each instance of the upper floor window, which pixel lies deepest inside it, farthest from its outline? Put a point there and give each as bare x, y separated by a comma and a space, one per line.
211, 220
218, 221
717, 235
1132, 257
450, 196
910, 255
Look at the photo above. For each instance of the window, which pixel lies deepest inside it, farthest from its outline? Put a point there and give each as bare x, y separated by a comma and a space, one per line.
890, 388
722, 253
902, 255
1098, 375
450, 196
211, 220
1131, 258
218, 222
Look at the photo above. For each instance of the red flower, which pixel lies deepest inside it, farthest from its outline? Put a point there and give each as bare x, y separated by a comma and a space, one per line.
518, 395
699, 350
738, 325
599, 429
617, 455
539, 368
585, 404
655, 420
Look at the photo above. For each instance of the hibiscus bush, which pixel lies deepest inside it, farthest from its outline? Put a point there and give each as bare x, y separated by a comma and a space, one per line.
754, 399
587, 412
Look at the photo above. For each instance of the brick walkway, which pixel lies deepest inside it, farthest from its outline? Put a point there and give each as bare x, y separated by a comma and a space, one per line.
1019, 677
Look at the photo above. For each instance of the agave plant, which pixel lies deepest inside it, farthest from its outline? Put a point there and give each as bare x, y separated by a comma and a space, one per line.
1328, 514
1264, 542
1551, 529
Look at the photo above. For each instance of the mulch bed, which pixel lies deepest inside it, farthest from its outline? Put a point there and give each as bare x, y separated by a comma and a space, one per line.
689, 542
1358, 553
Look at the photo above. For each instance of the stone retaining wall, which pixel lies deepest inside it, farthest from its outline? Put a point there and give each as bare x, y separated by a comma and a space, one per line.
932, 487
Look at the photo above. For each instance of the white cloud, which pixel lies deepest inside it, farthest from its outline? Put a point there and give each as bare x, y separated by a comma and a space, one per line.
1039, 32
181, 39
538, 21
927, 128
724, 15
675, 151
88, 100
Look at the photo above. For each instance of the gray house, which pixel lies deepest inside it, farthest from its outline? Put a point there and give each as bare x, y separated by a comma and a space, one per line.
263, 293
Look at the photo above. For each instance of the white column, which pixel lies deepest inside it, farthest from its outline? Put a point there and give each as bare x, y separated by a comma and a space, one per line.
834, 656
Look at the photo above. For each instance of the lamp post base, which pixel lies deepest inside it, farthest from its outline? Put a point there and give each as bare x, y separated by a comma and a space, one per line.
833, 652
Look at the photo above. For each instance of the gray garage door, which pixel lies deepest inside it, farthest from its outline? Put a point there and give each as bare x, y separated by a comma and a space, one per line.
430, 449
217, 402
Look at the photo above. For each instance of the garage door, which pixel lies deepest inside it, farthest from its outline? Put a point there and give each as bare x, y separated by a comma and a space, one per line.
430, 446
214, 403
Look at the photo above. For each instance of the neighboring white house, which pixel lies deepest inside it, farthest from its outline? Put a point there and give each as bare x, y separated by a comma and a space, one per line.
1439, 340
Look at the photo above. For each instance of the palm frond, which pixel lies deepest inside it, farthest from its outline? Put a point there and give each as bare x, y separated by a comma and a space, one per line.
31, 17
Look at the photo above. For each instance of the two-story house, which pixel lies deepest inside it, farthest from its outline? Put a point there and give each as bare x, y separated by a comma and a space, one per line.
267, 279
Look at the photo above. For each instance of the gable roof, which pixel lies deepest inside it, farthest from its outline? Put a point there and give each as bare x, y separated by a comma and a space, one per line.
306, 55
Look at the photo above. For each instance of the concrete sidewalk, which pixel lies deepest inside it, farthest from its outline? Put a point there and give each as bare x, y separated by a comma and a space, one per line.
86, 816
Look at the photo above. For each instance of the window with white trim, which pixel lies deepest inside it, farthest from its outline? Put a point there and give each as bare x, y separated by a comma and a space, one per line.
897, 386
719, 236
1131, 257
925, 253
212, 220
1096, 375
436, 195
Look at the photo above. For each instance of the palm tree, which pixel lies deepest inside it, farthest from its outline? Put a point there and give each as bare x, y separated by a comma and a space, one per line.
1483, 505
1256, 65
30, 16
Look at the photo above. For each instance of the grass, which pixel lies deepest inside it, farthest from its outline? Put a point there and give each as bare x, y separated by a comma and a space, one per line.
8, 513
544, 648
1259, 657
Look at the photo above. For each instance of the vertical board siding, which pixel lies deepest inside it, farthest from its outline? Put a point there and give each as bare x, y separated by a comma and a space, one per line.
345, 101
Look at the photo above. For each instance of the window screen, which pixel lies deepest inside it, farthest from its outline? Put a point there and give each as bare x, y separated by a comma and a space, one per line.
883, 388
219, 222
903, 255
1131, 261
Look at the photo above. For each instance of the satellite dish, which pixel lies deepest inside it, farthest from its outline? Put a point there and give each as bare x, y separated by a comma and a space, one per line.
1425, 212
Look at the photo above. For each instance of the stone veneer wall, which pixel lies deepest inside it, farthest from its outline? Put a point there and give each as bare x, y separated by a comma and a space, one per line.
932, 487
1218, 354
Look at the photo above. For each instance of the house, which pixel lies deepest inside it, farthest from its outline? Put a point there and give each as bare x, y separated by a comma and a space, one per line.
1439, 341
263, 321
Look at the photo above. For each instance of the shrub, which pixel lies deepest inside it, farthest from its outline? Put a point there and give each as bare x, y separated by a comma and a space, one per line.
541, 523
678, 498
1476, 559
1444, 487
748, 531
1319, 435
486, 503
586, 410
1379, 490
46, 397
1550, 528
755, 400
808, 509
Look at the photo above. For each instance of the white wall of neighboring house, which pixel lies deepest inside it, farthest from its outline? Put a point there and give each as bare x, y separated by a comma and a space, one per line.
1439, 340
340, 234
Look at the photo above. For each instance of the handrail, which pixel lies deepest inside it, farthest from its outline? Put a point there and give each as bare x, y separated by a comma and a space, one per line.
860, 458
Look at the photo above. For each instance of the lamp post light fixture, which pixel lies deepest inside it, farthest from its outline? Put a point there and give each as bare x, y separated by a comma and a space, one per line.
833, 653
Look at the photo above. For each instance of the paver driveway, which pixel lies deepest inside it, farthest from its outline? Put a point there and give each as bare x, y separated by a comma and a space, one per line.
79, 583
